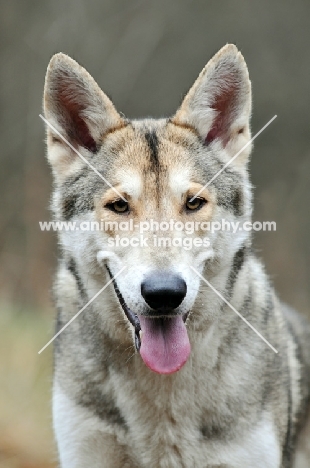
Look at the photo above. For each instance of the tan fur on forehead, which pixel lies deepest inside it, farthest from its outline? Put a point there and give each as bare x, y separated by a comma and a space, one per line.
136, 170
143, 178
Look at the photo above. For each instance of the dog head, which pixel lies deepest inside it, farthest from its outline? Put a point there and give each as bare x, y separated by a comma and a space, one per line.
152, 187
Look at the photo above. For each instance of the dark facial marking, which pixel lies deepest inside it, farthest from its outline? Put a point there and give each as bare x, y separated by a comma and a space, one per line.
152, 142
237, 202
78, 193
58, 326
74, 204
228, 184
73, 270
237, 264
232, 202
68, 207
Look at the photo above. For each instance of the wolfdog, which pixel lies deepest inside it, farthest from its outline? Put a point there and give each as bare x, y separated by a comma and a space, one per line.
159, 371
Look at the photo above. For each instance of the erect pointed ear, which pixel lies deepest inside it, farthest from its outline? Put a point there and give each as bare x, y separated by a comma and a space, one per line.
77, 108
218, 105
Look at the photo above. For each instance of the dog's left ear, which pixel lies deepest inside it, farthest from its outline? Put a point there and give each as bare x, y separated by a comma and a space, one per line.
218, 105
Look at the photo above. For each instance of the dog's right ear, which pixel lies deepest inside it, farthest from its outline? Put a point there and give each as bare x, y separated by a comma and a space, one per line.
77, 108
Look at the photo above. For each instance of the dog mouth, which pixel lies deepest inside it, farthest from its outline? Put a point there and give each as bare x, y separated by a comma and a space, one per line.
162, 342
131, 316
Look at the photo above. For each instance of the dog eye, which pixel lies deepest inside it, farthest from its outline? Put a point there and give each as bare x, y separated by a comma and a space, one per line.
119, 206
195, 204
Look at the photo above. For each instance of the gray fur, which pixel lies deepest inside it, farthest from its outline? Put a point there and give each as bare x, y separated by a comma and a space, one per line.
235, 403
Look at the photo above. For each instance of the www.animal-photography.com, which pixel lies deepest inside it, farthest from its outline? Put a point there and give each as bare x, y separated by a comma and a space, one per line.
154, 282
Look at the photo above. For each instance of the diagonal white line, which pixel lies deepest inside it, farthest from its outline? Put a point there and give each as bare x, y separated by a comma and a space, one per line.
81, 156
234, 157
232, 308
83, 308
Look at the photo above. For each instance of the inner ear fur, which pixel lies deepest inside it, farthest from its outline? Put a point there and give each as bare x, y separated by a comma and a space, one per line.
218, 105
75, 104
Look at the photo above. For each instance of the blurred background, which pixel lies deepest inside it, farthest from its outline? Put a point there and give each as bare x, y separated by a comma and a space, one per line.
145, 55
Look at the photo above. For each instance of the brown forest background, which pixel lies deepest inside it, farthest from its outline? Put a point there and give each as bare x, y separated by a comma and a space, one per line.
145, 54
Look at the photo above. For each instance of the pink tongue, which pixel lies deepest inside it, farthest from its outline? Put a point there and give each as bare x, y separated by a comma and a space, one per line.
165, 346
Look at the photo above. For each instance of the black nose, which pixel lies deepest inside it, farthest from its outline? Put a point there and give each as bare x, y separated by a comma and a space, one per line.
162, 291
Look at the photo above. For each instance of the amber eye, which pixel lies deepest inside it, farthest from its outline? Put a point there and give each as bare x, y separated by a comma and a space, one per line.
194, 204
119, 206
